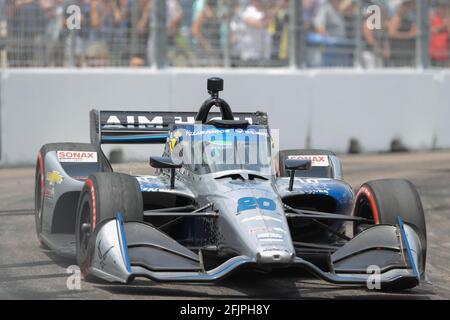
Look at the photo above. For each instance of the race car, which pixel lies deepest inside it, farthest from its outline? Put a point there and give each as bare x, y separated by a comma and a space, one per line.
220, 201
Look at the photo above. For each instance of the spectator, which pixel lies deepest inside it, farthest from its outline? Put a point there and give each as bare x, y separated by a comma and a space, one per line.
206, 32
176, 46
187, 8
185, 55
105, 19
120, 45
329, 20
26, 26
256, 39
3, 60
349, 11
403, 33
237, 30
310, 9
440, 33
138, 27
377, 49
313, 51
98, 55
279, 29
2, 9
53, 42
174, 18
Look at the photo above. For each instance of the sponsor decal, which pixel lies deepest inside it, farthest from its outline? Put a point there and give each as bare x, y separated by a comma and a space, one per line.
308, 189
151, 184
271, 248
80, 178
269, 236
49, 193
102, 255
259, 218
252, 132
148, 121
271, 239
308, 181
155, 189
77, 156
206, 132
54, 177
309, 185
265, 229
316, 161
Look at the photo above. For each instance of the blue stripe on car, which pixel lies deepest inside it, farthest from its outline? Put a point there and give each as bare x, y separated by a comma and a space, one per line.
124, 242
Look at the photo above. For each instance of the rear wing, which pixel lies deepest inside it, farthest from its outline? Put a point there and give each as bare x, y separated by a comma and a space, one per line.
148, 127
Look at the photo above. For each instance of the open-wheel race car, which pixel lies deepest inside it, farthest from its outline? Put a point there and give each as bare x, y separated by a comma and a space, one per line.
220, 201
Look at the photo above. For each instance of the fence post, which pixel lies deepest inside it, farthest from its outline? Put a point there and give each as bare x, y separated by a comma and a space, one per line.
358, 23
72, 49
134, 17
1, 111
297, 48
3, 39
423, 33
227, 12
158, 46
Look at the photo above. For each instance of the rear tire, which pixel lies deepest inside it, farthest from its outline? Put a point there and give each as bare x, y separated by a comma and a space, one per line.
103, 196
385, 200
39, 188
40, 172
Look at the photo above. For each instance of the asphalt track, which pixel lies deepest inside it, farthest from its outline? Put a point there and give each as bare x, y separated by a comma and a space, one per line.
30, 272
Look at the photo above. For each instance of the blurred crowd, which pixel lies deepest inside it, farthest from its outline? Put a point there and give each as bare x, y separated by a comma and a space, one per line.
34, 33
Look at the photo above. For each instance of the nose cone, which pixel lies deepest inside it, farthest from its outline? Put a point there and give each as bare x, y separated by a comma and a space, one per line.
275, 257
254, 221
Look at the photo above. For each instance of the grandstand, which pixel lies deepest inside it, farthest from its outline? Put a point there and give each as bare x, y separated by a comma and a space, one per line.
224, 33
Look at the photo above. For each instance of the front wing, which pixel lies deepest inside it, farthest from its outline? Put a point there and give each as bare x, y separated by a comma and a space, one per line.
122, 251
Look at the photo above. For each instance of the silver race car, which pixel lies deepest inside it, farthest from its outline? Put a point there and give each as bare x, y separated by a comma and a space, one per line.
220, 201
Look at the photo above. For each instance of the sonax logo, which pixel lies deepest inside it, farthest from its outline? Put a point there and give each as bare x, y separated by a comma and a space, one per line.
77, 156
316, 160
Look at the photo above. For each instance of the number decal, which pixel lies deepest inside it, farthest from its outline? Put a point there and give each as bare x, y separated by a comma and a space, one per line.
251, 203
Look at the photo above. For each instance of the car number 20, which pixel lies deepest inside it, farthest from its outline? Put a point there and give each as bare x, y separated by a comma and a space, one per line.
250, 203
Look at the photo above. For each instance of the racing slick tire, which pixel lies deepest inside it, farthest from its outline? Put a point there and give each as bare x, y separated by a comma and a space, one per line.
284, 154
39, 186
385, 200
39, 197
103, 196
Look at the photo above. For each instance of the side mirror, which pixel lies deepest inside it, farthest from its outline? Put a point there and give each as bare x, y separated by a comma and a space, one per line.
294, 165
165, 163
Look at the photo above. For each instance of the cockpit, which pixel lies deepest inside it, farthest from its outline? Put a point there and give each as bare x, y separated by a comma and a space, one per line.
205, 149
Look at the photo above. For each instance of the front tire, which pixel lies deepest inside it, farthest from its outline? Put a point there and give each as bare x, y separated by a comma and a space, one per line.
385, 200
103, 196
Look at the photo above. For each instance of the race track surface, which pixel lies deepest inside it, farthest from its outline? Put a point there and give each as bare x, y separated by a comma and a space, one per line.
30, 272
